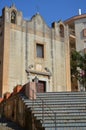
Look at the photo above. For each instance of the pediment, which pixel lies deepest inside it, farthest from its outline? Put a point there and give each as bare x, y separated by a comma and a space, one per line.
39, 22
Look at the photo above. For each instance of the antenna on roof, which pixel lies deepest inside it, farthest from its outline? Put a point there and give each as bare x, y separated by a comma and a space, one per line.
79, 11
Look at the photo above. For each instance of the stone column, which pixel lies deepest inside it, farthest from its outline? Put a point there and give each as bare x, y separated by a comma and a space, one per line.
30, 90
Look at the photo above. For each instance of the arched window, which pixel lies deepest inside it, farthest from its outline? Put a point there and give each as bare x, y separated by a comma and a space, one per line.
61, 30
13, 17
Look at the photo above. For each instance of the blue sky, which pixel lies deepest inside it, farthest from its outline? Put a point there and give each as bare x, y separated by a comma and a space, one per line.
51, 10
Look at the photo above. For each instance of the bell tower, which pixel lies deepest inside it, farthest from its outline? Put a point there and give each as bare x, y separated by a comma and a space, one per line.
10, 20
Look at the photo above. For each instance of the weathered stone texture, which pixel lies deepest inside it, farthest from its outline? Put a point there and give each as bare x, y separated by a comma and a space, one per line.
20, 40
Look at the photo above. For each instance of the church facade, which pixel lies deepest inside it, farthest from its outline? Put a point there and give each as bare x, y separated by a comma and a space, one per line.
30, 50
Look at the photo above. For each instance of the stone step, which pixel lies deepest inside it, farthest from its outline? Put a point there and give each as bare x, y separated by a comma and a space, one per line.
46, 107
61, 98
50, 120
58, 112
54, 103
68, 108
46, 117
59, 118
75, 115
40, 95
58, 105
66, 114
62, 93
56, 99
57, 96
73, 124
66, 128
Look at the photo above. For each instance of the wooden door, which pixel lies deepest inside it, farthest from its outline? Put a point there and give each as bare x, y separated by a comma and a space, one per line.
41, 87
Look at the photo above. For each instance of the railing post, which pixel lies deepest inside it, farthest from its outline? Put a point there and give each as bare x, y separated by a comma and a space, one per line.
32, 94
55, 119
42, 111
33, 99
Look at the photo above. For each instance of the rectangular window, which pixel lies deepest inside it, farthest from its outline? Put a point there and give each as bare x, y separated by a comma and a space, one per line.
40, 50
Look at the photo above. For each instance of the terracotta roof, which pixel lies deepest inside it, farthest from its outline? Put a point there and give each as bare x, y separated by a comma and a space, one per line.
72, 19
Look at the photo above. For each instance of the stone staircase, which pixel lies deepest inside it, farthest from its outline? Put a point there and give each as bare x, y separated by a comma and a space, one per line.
8, 125
59, 110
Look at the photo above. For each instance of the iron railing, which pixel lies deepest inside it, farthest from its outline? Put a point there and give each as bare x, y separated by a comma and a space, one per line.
44, 105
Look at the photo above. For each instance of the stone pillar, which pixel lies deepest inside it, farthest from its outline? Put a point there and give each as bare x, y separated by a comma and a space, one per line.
67, 51
30, 90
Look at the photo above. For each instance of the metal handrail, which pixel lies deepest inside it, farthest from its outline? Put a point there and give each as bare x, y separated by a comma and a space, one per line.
43, 105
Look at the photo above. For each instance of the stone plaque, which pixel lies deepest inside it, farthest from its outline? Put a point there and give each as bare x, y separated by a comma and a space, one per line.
38, 67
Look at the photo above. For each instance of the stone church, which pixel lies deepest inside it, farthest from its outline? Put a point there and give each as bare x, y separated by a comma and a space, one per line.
30, 49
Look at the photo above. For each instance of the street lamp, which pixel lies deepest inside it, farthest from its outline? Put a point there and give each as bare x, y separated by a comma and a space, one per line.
36, 79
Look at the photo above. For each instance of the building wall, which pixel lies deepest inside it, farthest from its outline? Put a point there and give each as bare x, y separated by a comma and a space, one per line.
80, 25
14, 108
20, 41
77, 39
1, 52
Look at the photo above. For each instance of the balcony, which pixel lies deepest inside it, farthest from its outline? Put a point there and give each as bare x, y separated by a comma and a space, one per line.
72, 33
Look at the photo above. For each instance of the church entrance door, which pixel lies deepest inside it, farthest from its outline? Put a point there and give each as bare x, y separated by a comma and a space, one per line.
41, 87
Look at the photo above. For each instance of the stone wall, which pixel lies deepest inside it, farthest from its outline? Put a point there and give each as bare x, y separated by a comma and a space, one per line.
12, 106
1, 52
